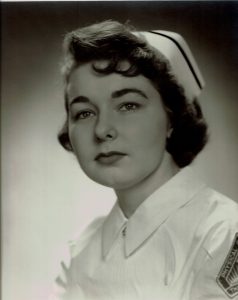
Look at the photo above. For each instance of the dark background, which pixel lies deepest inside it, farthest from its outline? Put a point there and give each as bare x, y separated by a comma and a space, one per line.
43, 189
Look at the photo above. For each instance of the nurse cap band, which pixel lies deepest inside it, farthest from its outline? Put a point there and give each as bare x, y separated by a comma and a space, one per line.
182, 63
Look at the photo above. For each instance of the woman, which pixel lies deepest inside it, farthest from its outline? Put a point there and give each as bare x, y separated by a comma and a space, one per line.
134, 124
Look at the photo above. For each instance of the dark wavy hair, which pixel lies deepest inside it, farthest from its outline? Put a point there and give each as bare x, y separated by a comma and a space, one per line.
115, 42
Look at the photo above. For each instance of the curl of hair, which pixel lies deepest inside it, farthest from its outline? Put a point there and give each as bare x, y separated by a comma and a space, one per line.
115, 42
189, 135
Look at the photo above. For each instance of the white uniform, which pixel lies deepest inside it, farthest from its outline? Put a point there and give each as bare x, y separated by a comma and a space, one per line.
180, 244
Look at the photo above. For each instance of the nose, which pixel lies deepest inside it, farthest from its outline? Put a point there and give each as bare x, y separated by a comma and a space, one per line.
105, 129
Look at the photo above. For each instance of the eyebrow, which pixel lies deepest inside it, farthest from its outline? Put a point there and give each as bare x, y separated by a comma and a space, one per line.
116, 94
123, 92
79, 99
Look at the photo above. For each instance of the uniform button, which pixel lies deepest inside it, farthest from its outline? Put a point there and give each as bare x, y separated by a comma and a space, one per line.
124, 232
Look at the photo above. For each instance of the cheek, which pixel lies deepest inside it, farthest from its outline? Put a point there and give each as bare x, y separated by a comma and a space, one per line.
149, 134
80, 142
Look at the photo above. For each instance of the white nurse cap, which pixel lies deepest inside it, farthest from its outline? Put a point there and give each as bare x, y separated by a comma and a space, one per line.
183, 65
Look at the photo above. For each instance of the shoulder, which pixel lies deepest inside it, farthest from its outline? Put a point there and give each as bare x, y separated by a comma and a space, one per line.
218, 207
217, 233
81, 239
74, 247
219, 223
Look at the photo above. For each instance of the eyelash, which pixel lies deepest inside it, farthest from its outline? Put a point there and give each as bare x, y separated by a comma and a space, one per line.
125, 107
130, 106
81, 115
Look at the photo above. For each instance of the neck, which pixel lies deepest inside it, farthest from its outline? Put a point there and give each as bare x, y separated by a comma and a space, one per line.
129, 199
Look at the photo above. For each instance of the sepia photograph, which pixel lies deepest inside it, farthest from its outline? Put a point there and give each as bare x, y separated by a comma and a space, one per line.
119, 143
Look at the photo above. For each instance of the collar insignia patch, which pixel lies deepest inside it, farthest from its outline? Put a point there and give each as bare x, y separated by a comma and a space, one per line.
228, 275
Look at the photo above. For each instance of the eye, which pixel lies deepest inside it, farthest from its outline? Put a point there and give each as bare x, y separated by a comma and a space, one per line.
85, 114
129, 106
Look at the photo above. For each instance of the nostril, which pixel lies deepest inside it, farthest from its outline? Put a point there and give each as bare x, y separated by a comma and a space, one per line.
106, 135
109, 136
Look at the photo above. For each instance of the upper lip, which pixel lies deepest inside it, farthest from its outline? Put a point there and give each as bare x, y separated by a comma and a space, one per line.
108, 154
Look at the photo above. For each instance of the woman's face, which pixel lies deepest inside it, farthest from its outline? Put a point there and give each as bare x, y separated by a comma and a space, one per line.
117, 126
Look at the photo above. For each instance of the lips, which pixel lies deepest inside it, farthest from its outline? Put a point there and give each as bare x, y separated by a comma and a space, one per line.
109, 157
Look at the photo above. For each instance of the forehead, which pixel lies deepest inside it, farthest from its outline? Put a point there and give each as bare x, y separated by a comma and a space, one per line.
85, 81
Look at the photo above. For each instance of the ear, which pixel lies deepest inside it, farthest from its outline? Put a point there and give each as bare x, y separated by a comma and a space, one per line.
169, 132
169, 122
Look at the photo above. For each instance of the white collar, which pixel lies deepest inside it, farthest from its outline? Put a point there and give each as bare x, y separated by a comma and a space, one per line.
151, 213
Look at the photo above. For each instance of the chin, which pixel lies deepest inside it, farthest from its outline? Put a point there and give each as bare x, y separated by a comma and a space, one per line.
113, 183
117, 178
118, 182
112, 180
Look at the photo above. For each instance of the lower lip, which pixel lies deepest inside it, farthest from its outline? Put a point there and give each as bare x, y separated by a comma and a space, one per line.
108, 160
